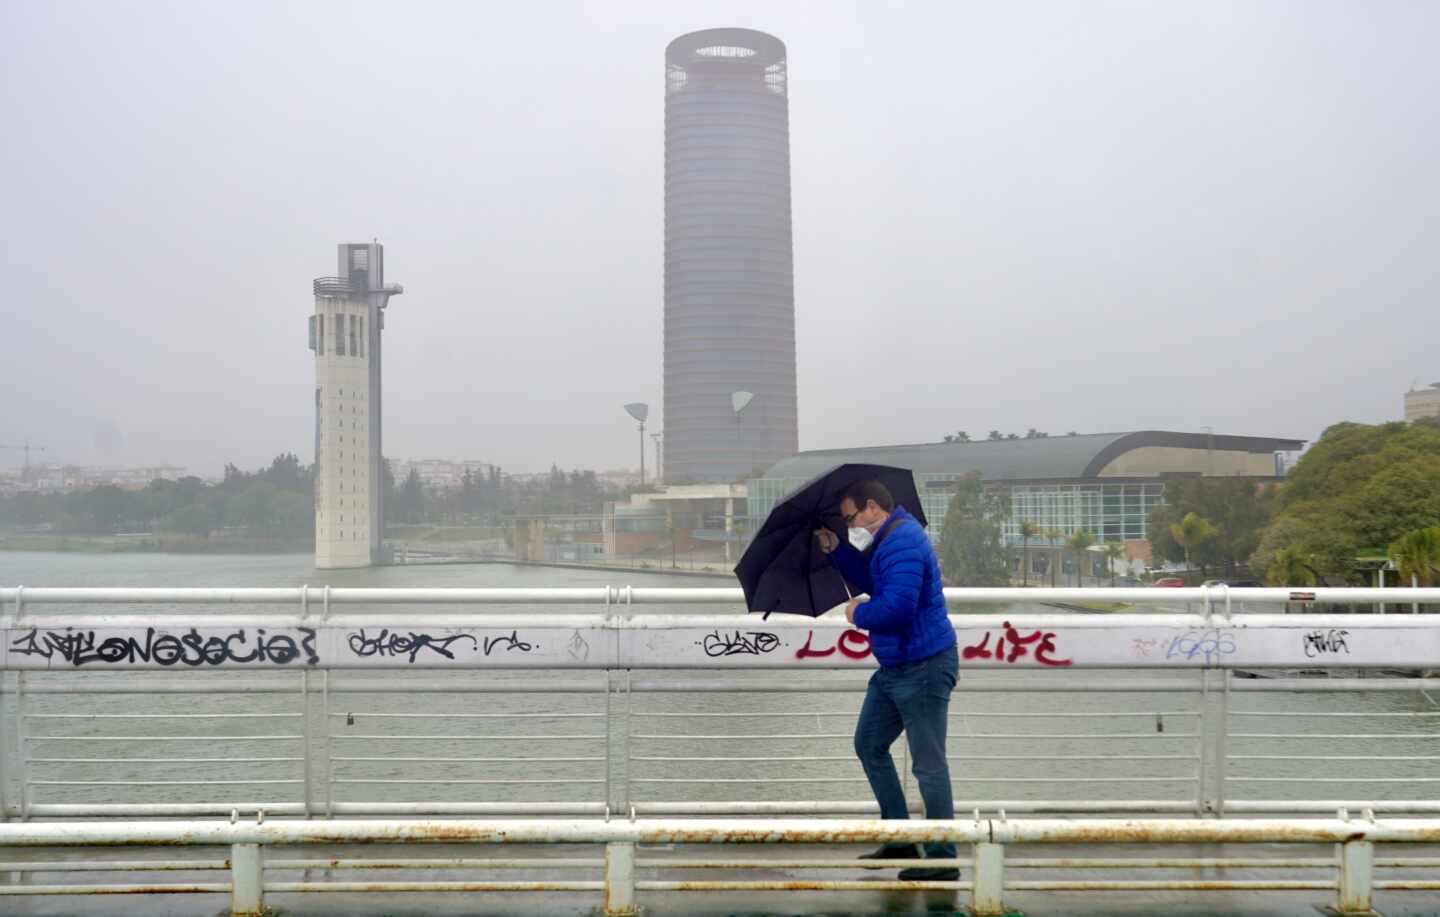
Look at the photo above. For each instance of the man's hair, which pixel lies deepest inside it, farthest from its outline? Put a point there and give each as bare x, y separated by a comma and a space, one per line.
863, 491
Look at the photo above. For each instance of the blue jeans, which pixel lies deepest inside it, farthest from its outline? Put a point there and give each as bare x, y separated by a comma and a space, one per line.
914, 697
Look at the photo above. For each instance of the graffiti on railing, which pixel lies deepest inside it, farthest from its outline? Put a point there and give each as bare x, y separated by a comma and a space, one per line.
739, 643
389, 644
851, 643
1212, 644
509, 643
1329, 642
190, 648
1019, 646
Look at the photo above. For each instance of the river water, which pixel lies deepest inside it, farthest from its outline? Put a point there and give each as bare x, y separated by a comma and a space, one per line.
1014, 738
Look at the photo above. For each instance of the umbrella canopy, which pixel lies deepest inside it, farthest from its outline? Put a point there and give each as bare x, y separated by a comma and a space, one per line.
784, 568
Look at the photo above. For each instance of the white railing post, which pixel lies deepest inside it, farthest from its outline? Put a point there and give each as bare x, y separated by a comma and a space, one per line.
620, 880
247, 881
986, 893
1357, 862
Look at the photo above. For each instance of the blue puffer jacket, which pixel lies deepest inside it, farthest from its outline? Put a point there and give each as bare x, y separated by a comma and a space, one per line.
905, 616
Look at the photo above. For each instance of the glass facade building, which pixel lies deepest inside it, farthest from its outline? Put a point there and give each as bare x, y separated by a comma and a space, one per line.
1105, 484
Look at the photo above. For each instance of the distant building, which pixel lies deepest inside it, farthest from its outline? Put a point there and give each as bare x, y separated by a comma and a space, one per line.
440, 474
345, 334
1422, 402
1104, 483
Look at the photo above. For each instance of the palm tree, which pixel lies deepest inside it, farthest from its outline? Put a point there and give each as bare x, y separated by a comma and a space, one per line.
1114, 550
1028, 530
1055, 537
1291, 567
1192, 532
1079, 542
994, 435
1416, 555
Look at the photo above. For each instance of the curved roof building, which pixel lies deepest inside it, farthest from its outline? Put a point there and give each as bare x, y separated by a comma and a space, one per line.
1104, 483
729, 288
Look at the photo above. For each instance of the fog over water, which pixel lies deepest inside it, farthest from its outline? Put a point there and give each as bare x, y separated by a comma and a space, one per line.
1089, 217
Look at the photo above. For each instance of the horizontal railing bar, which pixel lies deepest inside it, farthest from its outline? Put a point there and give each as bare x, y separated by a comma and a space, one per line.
1400, 862
446, 863
1333, 757
1177, 885
159, 716
1337, 735
444, 781
1314, 713
961, 780
785, 863
244, 738
1170, 863
947, 758
471, 716
157, 782
452, 808
1307, 779
115, 866
385, 758
798, 885
189, 889
954, 716
453, 738
160, 809
437, 886
1157, 736
1407, 885
161, 760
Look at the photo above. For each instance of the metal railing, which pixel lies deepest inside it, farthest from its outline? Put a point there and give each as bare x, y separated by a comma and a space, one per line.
251, 872
322, 703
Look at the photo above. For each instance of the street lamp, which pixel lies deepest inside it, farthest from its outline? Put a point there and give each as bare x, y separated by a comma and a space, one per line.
739, 401
640, 411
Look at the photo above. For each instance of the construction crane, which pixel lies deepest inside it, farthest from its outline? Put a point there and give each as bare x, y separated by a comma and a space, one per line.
28, 449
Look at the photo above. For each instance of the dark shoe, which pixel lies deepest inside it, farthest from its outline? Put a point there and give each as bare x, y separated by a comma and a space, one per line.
923, 874
907, 852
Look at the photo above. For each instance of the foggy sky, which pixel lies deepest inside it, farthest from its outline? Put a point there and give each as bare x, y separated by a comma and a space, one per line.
1092, 217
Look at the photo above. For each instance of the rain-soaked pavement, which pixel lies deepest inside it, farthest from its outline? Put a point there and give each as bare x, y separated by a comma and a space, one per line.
1247, 903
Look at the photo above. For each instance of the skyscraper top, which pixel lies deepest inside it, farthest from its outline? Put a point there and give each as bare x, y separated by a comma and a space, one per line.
725, 54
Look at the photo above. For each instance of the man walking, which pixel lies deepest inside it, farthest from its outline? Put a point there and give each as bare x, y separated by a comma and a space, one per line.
889, 557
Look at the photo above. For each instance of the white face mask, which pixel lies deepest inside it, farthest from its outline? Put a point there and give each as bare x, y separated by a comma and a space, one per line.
860, 539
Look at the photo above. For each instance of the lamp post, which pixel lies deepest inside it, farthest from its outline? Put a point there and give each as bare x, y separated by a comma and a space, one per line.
739, 401
640, 411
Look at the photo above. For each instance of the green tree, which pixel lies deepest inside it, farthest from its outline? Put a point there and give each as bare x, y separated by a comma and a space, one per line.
1238, 508
1291, 567
1416, 556
1028, 530
1190, 533
1359, 489
1114, 550
972, 544
190, 519
1079, 543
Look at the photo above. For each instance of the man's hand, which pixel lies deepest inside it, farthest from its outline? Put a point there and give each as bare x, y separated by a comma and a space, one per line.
829, 541
850, 607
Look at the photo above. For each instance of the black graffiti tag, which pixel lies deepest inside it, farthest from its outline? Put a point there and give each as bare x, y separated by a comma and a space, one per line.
388, 643
1324, 642
510, 642
81, 647
739, 643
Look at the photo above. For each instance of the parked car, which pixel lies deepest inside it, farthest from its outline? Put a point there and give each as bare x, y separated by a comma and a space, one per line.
1173, 582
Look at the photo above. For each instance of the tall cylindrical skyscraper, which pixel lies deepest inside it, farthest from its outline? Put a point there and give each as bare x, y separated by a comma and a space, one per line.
729, 275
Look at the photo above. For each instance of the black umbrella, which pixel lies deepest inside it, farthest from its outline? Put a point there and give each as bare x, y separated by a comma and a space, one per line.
784, 569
